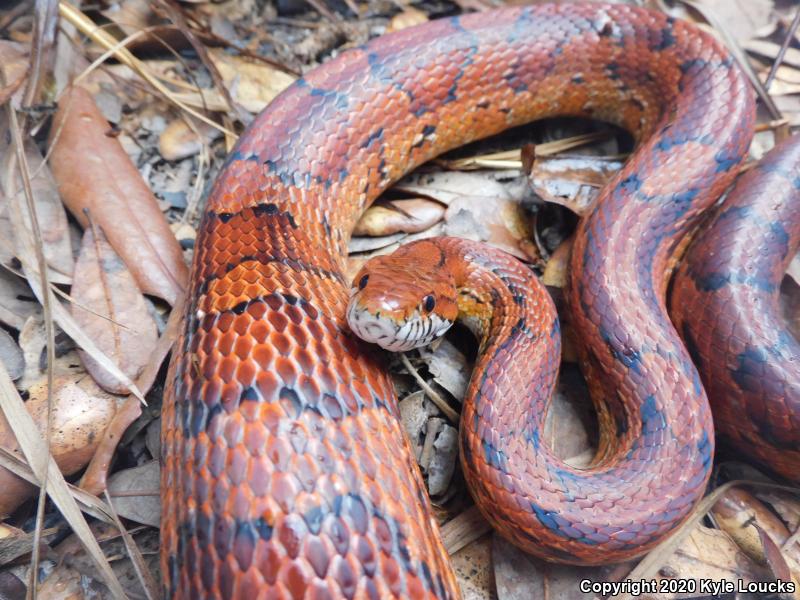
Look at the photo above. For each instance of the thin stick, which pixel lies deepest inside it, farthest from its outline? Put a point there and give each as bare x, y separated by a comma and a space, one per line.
435, 397
785, 46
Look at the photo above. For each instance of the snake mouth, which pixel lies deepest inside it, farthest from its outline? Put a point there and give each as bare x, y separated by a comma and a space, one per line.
393, 335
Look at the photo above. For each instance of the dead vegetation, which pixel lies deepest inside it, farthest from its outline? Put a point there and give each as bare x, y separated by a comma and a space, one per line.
116, 116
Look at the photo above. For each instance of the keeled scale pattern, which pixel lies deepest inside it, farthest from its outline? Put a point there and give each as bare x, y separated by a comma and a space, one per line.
725, 303
286, 474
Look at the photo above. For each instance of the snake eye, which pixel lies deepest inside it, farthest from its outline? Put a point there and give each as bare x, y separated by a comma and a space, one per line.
362, 283
428, 303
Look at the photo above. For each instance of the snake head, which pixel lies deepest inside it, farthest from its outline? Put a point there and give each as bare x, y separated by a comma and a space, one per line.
403, 300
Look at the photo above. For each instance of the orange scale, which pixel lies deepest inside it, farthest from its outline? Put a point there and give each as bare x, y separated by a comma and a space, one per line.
268, 385
226, 342
237, 284
261, 354
279, 321
246, 373
236, 470
287, 370
281, 343
297, 577
260, 473
226, 368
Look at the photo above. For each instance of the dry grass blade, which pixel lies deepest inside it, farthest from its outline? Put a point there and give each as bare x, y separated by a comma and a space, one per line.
34, 449
139, 565
512, 159
88, 503
650, 564
784, 47
47, 301
89, 28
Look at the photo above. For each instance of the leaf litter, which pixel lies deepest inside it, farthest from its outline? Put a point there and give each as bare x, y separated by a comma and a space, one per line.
164, 121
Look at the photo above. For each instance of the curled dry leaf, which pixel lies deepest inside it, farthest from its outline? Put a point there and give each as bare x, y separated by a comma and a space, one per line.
111, 309
81, 412
556, 272
572, 181
94, 172
737, 511
479, 208
252, 84
406, 216
776, 561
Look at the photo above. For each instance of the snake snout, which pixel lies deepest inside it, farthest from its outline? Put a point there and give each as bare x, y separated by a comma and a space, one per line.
393, 334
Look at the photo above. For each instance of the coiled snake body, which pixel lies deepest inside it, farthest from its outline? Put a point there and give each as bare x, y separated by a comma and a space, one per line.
285, 469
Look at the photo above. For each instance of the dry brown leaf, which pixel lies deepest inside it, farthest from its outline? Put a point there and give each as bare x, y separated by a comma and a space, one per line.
142, 541
110, 308
11, 356
408, 18
17, 301
776, 561
708, 554
449, 367
770, 50
572, 181
14, 65
11, 586
733, 514
473, 568
95, 478
179, 141
49, 210
43, 465
252, 84
407, 216
787, 506
93, 171
81, 412
519, 576
66, 583
556, 273
478, 208
134, 493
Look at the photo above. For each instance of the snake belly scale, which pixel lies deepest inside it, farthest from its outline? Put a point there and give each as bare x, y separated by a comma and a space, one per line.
286, 473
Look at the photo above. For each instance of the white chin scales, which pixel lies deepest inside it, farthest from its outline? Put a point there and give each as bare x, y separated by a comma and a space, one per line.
388, 334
